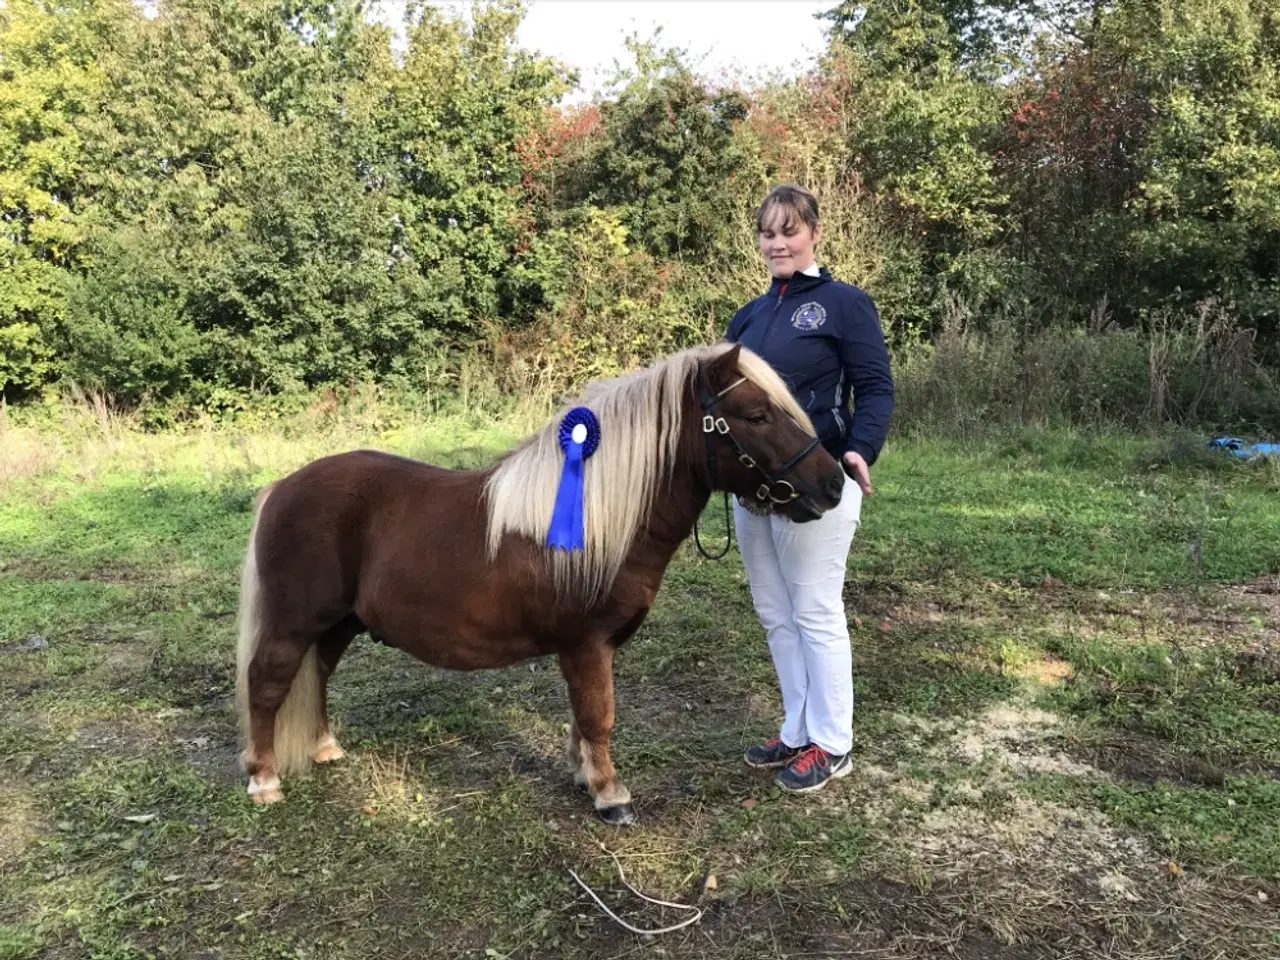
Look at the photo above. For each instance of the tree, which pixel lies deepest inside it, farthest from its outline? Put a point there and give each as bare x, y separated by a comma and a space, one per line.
668, 159
49, 79
927, 114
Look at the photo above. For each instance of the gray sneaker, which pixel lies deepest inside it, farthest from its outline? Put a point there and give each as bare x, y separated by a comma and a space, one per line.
813, 770
771, 754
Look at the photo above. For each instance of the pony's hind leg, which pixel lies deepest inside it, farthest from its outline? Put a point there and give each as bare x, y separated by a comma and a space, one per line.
330, 649
284, 714
277, 682
589, 672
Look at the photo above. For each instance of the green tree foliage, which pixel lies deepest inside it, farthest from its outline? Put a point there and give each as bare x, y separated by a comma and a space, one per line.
1208, 210
232, 166
297, 205
667, 157
49, 79
455, 115
1070, 151
214, 197
926, 115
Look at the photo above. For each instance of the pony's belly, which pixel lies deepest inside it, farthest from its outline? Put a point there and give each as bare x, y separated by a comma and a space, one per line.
459, 653
474, 625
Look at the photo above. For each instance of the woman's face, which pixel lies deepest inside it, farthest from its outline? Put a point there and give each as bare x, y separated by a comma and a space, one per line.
786, 243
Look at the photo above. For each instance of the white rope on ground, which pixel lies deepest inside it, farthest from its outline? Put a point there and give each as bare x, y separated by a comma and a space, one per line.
697, 911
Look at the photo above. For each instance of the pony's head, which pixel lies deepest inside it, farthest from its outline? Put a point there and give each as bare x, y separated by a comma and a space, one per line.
649, 421
760, 443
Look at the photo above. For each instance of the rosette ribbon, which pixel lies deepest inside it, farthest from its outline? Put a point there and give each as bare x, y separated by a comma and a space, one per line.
579, 437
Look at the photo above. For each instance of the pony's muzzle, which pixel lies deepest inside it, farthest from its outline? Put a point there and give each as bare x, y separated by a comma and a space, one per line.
826, 496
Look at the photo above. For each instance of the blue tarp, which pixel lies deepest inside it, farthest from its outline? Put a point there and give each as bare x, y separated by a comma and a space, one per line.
1243, 449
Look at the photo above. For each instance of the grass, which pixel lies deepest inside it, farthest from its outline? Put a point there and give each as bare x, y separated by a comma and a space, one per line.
1067, 655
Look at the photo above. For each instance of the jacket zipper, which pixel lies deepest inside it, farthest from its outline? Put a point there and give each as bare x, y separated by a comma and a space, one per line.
764, 342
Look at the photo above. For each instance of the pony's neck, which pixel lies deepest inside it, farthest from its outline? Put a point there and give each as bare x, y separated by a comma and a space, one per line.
688, 489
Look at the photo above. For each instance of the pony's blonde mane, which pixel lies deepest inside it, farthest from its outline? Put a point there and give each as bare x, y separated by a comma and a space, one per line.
640, 418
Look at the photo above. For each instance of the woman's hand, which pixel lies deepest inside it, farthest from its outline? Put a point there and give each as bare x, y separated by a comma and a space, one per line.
856, 466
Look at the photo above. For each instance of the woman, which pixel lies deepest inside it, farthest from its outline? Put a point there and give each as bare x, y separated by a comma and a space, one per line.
824, 338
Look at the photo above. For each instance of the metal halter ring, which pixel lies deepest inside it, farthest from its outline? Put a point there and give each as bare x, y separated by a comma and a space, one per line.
766, 492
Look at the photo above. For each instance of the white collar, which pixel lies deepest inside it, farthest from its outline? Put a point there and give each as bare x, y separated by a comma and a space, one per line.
812, 270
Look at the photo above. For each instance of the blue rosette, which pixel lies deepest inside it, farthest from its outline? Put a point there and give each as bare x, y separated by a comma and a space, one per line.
579, 437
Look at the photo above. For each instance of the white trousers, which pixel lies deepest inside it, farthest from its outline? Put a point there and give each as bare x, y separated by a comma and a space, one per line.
797, 575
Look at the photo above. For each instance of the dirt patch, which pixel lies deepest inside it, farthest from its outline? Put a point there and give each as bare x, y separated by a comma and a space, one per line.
117, 573
34, 643
1209, 613
21, 691
1141, 758
206, 685
1259, 662
966, 819
115, 738
213, 750
1024, 872
1048, 671
1263, 593
888, 918
869, 916
1029, 838
19, 824
1023, 739
1256, 611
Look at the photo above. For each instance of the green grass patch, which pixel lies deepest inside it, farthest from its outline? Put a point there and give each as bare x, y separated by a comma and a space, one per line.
1198, 701
1082, 509
450, 828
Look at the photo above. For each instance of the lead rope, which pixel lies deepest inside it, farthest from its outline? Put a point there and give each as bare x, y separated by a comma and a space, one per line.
728, 534
696, 911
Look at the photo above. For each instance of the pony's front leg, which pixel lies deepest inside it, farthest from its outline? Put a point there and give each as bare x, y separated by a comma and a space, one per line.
589, 672
573, 750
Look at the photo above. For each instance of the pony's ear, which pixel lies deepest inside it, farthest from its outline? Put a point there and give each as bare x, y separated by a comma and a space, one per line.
723, 370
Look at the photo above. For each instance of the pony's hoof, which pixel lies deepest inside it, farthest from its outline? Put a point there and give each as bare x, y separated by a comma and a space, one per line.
329, 753
622, 815
270, 795
265, 791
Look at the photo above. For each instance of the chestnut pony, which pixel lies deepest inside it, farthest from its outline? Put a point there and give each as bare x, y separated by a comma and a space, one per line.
451, 566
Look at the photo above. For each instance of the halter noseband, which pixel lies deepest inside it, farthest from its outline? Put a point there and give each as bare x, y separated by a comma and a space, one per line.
771, 491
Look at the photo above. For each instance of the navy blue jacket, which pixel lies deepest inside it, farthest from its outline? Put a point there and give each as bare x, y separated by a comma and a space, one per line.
824, 339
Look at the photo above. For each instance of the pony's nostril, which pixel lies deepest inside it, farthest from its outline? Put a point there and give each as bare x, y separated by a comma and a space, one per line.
835, 487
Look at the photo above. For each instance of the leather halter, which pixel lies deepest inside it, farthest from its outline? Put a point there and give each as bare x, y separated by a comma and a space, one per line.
774, 489
769, 492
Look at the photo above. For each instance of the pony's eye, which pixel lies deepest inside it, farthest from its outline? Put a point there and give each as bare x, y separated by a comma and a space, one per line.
758, 419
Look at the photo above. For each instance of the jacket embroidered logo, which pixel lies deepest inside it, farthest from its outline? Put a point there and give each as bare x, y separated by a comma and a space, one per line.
810, 316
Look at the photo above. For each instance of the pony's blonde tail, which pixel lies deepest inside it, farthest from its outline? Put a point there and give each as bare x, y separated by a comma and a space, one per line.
299, 721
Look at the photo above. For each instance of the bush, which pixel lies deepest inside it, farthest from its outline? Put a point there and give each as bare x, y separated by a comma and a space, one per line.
26, 361
1067, 219
1198, 370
